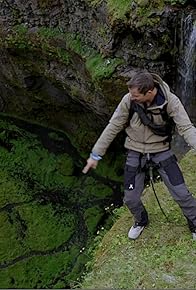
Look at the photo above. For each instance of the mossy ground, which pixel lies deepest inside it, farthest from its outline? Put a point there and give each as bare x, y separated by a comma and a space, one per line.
49, 211
163, 257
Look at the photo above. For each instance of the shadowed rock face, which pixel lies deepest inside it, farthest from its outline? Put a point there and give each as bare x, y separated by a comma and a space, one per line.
74, 72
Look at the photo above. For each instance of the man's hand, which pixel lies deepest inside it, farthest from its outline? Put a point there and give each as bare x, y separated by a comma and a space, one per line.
91, 163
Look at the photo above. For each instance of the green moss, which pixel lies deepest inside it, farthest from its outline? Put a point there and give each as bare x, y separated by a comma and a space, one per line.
12, 190
102, 191
39, 42
44, 230
144, 13
82, 138
37, 160
49, 33
103, 32
92, 217
10, 245
36, 272
111, 166
32, 162
65, 164
41, 195
118, 9
77, 268
75, 43
95, 189
97, 66
100, 68
42, 224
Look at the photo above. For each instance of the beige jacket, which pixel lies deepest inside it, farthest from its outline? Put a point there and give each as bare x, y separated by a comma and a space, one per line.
139, 137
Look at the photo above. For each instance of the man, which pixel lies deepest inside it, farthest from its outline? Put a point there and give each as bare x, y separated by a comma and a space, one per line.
148, 140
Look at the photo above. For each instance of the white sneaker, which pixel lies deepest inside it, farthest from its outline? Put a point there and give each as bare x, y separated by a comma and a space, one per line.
135, 231
194, 236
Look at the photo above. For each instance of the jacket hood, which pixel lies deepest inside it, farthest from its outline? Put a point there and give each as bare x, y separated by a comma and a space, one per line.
164, 86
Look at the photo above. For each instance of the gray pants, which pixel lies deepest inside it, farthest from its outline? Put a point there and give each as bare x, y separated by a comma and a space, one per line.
171, 176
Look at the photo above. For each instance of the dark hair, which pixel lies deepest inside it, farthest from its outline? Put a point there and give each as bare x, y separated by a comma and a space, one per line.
143, 81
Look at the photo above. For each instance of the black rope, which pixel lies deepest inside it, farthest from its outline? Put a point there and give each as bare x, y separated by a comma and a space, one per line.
150, 168
152, 184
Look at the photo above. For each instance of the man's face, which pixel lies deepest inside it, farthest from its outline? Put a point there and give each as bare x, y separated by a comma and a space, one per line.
139, 97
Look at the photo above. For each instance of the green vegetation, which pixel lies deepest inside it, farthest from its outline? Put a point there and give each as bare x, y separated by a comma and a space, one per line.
38, 42
101, 68
38, 220
51, 44
97, 66
125, 9
47, 214
12, 190
55, 44
102, 191
37, 272
75, 44
92, 218
163, 257
111, 166
118, 9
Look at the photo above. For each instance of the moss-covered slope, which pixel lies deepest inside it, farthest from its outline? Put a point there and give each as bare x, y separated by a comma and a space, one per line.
49, 210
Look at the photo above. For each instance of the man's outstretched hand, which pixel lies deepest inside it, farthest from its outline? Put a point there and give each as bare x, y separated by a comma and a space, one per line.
91, 163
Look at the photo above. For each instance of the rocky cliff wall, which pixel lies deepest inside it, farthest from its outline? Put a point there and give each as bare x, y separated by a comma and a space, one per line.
65, 63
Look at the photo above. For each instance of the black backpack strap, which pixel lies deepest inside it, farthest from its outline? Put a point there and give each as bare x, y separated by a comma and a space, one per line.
161, 130
134, 107
166, 130
164, 113
142, 114
131, 111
